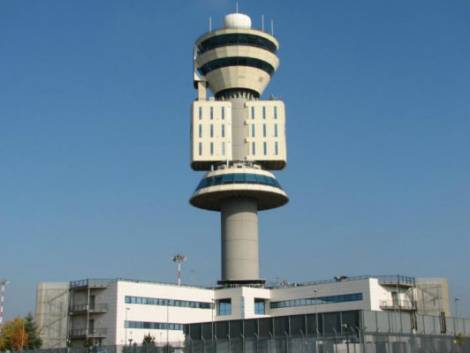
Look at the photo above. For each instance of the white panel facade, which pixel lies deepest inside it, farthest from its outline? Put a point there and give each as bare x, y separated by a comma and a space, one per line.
295, 296
211, 130
266, 141
159, 314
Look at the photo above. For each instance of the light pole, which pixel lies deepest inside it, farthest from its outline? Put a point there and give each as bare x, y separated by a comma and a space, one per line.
456, 306
212, 320
167, 324
126, 324
315, 293
179, 259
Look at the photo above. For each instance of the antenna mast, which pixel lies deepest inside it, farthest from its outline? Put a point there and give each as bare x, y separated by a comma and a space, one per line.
3, 284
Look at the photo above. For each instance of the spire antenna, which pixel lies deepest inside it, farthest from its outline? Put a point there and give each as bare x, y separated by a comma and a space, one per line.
236, 6
262, 23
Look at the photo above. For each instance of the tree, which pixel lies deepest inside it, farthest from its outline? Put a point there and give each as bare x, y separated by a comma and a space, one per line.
34, 341
148, 340
13, 336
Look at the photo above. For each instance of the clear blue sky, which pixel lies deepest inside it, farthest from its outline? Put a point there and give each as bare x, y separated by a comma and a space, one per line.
94, 126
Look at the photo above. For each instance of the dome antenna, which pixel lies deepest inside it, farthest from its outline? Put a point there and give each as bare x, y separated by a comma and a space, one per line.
236, 6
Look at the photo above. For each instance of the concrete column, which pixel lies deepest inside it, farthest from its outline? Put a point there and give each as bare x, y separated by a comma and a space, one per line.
240, 254
239, 129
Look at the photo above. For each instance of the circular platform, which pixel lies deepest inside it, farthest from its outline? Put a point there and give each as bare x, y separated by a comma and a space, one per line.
233, 182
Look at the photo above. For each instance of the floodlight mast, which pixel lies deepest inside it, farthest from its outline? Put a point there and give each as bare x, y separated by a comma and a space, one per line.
237, 138
179, 259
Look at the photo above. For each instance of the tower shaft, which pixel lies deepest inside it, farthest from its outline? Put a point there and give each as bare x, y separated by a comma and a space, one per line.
240, 250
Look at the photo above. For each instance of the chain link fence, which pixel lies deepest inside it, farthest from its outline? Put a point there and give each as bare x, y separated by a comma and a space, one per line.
369, 343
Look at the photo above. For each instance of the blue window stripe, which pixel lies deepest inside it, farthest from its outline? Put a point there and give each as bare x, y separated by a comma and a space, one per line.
167, 302
317, 301
153, 325
238, 178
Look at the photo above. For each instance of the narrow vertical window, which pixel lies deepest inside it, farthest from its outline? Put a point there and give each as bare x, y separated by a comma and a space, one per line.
212, 148
223, 130
200, 148
264, 112
223, 113
200, 113
275, 112
212, 130
276, 148
253, 148
275, 130
252, 112
264, 130
265, 148
253, 130
212, 113
223, 148
200, 130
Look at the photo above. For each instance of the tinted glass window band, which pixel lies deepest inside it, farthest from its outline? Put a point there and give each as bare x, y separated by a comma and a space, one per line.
238, 178
236, 61
236, 39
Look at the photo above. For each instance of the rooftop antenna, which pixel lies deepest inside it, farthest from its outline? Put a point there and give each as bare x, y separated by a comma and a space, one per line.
236, 7
272, 27
179, 259
3, 284
262, 22
210, 24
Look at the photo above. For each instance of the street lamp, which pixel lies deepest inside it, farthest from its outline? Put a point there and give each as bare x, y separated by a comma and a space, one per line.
126, 324
456, 306
315, 292
212, 313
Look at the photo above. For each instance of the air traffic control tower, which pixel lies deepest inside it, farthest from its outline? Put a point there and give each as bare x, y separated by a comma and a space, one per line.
238, 139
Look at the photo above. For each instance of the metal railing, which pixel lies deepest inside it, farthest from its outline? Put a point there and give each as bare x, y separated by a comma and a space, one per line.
397, 305
91, 283
96, 308
83, 332
383, 279
290, 344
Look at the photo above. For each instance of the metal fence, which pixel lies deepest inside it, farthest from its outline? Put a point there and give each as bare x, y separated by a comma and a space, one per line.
377, 343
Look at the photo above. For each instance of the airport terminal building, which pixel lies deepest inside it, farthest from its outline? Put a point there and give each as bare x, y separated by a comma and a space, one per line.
120, 311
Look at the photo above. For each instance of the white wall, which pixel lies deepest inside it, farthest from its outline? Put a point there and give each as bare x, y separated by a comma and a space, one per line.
321, 290
157, 313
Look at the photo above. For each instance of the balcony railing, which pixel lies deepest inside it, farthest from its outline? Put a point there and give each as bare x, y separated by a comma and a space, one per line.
398, 305
397, 280
93, 333
90, 283
84, 308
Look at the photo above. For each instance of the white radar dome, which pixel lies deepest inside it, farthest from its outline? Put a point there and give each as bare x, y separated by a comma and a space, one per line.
237, 20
